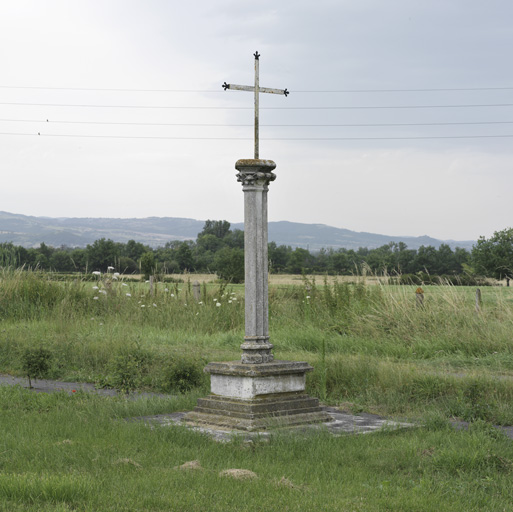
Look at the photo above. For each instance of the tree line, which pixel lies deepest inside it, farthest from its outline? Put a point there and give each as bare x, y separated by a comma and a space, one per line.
220, 249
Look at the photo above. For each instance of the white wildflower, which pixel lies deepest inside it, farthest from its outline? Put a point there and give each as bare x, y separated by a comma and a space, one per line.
154, 305
172, 295
110, 268
143, 306
166, 289
229, 302
95, 298
96, 273
124, 284
101, 323
116, 274
308, 296
128, 294
218, 304
95, 288
104, 292
200, 302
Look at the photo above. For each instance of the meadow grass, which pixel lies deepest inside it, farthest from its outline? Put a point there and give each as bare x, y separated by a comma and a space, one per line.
373, 349
69, 453
370, 345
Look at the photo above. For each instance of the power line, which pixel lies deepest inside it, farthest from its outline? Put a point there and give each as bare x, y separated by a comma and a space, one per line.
408, 90
251, 138
182, 107
109, 89
248, 125
433, 89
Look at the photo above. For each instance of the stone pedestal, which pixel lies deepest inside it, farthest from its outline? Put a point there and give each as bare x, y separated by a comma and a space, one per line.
256, 393
257, 397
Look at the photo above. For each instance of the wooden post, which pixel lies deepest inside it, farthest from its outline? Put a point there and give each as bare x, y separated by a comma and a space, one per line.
419, 295
479, 302
196, 291
151, 286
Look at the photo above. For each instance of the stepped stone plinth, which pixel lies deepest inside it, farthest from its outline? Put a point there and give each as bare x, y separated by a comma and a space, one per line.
257, 397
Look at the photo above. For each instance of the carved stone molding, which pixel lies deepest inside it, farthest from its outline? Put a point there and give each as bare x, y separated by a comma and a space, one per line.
255, 172
255, 178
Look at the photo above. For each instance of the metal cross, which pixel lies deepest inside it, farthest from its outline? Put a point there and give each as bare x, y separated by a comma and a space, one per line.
256, 89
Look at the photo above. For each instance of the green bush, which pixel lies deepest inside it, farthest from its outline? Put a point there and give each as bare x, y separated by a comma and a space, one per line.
422, 278
185, 374
36, 363
127, 370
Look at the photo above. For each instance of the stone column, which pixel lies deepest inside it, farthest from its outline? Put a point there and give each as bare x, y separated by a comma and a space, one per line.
255, 176
257, 392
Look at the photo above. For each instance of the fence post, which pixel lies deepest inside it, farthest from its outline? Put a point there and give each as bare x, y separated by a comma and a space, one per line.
196, 291
419, 296
479, 302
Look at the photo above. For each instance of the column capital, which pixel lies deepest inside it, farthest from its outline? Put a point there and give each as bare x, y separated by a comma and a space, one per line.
255, 171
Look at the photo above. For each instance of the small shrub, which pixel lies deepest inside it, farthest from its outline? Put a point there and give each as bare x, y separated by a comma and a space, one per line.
127, 370
185, 374
36, 363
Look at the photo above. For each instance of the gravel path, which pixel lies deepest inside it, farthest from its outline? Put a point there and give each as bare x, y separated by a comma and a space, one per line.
50, 386
343, 421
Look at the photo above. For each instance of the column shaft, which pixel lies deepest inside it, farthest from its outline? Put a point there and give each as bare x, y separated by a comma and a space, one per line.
255, 176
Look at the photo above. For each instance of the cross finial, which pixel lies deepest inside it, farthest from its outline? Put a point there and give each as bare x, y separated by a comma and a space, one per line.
256, 89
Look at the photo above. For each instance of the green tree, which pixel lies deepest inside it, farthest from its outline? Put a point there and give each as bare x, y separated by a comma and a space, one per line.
494, 257
61, 261
208, 242
218, 228
101, 254
235, 238
79, 259
184, 257
9, 255
229, 264
278, 257
128, 265
426, 259
300, 259
148, 264
134, 250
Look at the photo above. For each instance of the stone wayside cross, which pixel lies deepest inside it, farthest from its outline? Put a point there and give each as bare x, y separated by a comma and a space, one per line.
257, 392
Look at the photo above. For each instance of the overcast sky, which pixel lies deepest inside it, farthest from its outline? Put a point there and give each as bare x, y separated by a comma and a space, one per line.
441, 169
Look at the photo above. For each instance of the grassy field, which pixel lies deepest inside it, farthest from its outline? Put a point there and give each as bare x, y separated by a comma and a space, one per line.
372, 347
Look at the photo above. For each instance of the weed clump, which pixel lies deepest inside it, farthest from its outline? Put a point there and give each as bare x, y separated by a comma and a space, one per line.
36, 363
184, 374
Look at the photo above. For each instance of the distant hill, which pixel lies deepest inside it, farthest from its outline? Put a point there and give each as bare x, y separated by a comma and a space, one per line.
156, 231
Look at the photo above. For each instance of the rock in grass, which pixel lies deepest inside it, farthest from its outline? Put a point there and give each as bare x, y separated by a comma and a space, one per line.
285, 482
128, 462
239, 474
190, 465
65, 441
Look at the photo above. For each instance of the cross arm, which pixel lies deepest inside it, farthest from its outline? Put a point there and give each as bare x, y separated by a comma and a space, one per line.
251, 88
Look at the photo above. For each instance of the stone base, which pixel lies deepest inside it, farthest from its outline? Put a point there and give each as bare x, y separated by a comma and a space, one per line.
254, 397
